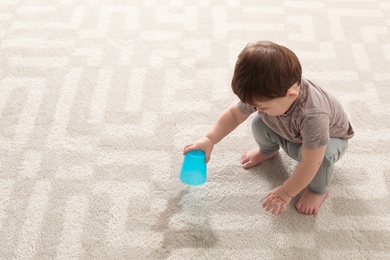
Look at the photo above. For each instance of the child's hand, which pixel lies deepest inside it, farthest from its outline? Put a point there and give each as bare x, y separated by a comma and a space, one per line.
277, 201
204, 144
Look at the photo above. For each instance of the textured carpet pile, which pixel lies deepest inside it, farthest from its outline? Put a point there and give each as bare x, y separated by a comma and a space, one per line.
98, 98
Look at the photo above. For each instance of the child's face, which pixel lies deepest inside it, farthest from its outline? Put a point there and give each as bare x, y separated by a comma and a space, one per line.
278, 106
273, 107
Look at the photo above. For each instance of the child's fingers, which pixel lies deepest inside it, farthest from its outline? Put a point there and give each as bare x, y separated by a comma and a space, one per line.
270, 205
276, 208
185, 149
270, 197
267, 201
188, 148
208, 158
282, 208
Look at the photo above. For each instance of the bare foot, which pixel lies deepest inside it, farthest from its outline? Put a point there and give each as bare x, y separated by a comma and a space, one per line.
310, 203
254, 157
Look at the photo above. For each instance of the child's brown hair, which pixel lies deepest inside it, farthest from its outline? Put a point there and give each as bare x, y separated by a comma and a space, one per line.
265, 70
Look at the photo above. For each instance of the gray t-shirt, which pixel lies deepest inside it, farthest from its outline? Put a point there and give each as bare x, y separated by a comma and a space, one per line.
314, 118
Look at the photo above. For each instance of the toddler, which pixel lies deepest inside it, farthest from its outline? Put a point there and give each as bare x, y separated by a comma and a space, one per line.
290, 112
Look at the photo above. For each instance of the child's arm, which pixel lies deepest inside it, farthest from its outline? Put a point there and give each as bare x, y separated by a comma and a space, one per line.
225, 124
305, 170
304, 173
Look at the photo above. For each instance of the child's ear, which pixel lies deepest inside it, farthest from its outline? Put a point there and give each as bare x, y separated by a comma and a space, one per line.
293, 91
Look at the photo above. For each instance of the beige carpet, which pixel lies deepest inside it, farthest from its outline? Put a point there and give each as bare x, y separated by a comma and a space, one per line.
98, 98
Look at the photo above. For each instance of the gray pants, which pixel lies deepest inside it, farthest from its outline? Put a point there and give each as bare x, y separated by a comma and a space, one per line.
270, 142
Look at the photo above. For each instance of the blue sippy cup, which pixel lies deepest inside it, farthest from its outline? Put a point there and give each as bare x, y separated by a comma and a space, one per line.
193, 171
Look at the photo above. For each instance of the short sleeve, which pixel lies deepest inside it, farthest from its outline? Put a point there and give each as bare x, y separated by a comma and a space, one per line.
246, 108
315, 130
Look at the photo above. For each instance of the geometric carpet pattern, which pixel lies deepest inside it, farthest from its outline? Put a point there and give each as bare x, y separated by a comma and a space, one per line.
99, 97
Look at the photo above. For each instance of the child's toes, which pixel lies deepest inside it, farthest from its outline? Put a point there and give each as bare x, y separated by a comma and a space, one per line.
247, 165
298, 206
244, 160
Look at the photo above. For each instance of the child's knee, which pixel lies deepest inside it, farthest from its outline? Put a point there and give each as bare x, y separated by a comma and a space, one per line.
334, 151
257, 123
323, 178
255, 118
329, 159
333, 154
